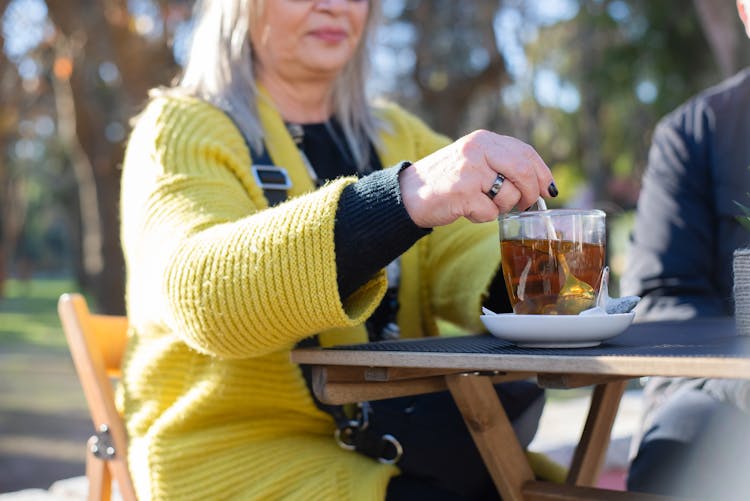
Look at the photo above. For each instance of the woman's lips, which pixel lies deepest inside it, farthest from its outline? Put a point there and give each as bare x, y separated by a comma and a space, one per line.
330, 35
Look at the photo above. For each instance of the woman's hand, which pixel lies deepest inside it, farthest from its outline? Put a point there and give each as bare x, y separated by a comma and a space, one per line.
454, 181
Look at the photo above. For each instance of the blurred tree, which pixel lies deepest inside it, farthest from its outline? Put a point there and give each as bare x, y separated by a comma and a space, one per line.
109, 54
9, 86
447, 60
584, 81
719, 22
32, 174
626, 64
458, 61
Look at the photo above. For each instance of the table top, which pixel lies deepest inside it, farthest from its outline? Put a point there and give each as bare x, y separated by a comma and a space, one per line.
705, 347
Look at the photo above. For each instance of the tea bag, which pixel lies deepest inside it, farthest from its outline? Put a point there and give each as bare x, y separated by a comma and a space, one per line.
606, 305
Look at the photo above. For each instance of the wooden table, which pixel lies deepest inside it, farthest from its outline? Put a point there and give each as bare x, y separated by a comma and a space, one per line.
469, 366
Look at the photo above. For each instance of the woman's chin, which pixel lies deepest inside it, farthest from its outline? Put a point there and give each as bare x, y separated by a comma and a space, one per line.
327, 59
325, 68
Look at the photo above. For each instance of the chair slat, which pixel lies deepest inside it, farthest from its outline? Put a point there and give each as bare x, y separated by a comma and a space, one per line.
96, 344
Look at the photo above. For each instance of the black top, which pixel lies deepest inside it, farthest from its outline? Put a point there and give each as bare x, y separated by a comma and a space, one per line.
325, 146
686, 228
372, 226
370, 210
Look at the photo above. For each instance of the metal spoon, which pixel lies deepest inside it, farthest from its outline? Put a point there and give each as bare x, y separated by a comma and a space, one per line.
575, 295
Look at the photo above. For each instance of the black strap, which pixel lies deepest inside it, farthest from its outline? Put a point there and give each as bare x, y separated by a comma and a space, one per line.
336, 411
352, 433
272, 179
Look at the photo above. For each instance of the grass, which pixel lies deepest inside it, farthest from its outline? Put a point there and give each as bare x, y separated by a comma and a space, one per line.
28, 313
44, 419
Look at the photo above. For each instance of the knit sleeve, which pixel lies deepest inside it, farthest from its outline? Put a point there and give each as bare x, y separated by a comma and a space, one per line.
204, 257
456, 265
372, 228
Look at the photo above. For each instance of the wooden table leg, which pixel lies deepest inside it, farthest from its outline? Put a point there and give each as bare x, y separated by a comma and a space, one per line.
592, 448
485, 417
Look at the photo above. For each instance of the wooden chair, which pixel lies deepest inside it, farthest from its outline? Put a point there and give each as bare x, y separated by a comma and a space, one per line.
97, 343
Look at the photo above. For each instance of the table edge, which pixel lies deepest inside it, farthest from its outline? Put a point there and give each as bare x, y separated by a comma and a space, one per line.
712, 367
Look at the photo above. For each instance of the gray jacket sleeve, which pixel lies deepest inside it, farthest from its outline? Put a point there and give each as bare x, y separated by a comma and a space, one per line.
686, 228
672, 261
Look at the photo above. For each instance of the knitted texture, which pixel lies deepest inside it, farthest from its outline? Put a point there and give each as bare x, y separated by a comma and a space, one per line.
742, 290
220, 288
371, 211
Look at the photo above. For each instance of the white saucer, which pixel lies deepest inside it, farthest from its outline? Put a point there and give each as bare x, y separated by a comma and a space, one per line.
556, 331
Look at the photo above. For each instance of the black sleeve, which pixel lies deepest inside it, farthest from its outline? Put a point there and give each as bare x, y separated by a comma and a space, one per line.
372, 228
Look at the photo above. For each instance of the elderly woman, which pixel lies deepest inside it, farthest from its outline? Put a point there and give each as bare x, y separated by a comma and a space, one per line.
257, 213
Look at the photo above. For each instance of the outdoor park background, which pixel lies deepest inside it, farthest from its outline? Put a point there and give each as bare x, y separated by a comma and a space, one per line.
583, 81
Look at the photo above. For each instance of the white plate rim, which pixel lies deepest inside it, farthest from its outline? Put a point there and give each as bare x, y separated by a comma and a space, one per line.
556, 331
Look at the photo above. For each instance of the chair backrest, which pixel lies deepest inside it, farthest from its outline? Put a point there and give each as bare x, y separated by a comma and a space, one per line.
97, 343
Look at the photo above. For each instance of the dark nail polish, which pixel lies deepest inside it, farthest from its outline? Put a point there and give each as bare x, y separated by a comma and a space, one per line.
552, 189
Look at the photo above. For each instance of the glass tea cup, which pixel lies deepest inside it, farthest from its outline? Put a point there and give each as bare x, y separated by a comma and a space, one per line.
552, 260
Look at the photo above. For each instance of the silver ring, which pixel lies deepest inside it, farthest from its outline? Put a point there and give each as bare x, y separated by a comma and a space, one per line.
495, 188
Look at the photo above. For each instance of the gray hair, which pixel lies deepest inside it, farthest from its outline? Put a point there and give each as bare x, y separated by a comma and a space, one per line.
219, 70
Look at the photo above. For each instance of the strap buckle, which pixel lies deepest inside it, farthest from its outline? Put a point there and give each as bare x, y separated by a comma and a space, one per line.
271, 177
398, 451
100, 444
345, 435
355, 435
346, 432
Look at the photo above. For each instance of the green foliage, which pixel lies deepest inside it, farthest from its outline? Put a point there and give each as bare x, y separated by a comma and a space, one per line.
570, 176
629, 63
744, 219
28, 313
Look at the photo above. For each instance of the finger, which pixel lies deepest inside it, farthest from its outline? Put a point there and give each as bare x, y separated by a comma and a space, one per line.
523, 166
547, 186
513, 159
482, 210
535, 176
507, 197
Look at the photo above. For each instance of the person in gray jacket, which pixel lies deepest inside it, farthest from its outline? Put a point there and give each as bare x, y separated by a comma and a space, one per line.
695, 438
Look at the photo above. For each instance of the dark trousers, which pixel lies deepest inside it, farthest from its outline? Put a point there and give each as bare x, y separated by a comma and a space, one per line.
696, 447
440, 461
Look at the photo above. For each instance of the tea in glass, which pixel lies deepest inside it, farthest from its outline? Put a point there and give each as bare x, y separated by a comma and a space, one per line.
552, 260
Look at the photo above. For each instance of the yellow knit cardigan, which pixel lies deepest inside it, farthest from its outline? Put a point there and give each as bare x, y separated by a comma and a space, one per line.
220, 288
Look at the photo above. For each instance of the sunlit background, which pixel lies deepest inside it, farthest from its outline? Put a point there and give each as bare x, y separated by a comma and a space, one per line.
584, 81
